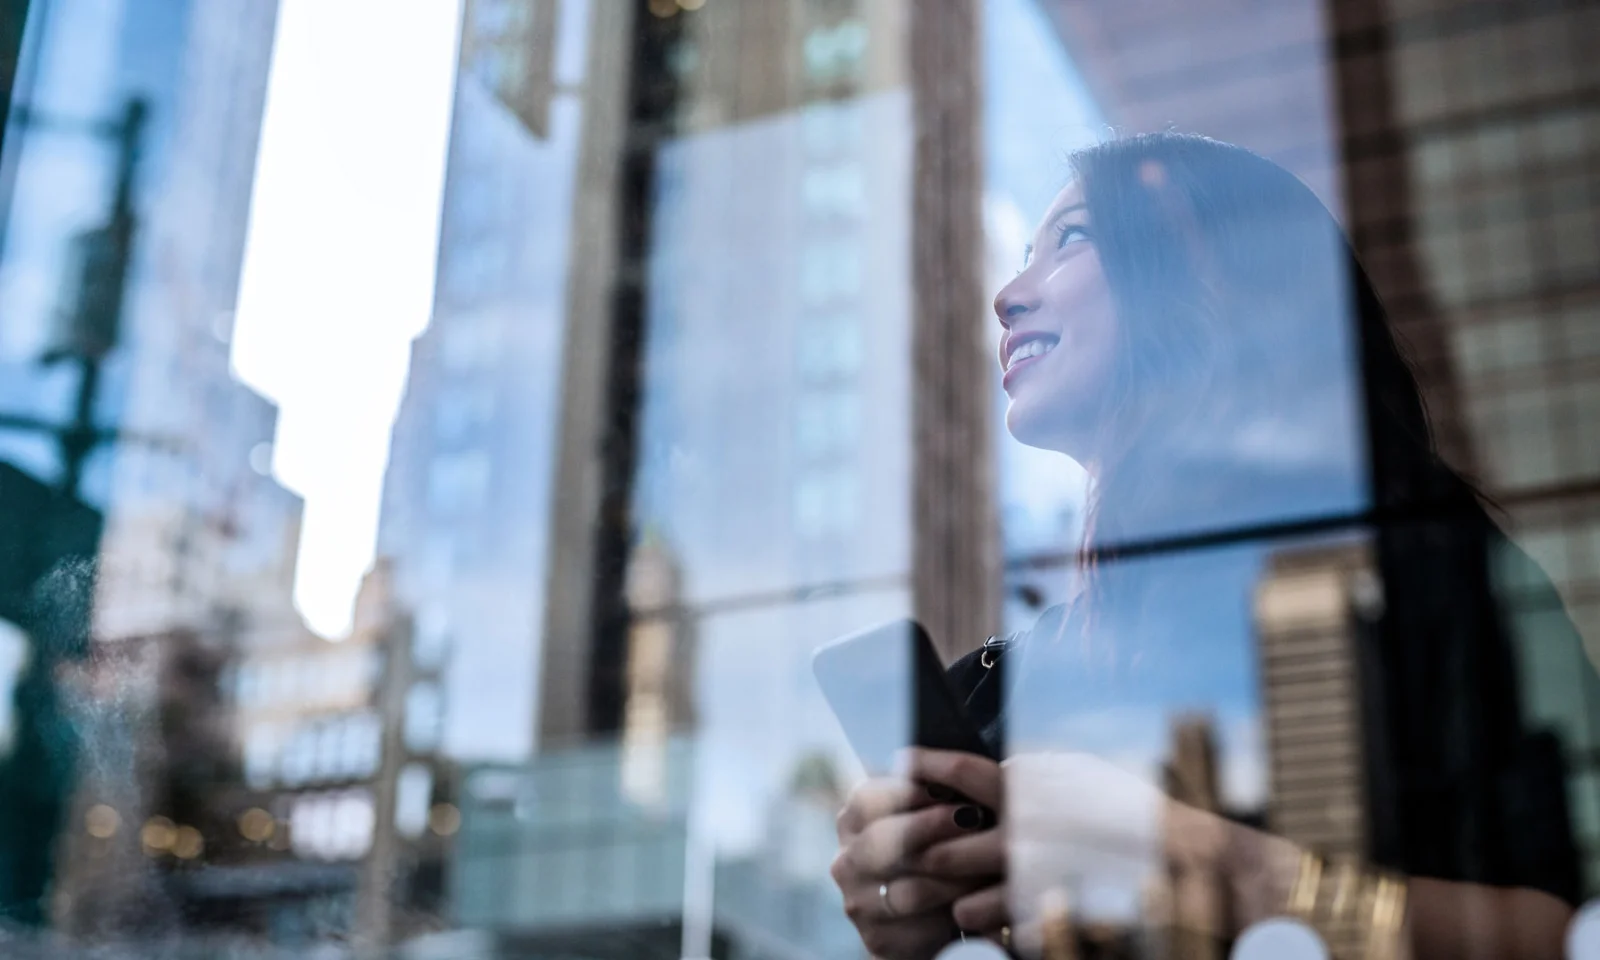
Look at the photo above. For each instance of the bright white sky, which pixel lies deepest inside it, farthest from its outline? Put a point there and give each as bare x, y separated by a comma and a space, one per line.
339, 263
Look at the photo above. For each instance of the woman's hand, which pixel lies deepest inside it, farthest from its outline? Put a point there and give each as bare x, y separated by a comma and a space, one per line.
977, 859
900, 913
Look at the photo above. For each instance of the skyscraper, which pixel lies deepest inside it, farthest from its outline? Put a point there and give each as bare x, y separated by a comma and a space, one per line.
130, 194
1313, 609
798, 137
469, 480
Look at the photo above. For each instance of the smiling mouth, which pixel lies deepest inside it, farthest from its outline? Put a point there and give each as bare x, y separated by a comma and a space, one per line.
1028, 353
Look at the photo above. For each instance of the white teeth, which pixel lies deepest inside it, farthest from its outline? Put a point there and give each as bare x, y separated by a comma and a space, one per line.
1033, 348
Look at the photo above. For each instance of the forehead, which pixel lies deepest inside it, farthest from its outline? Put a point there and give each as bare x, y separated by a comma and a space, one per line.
1070, 196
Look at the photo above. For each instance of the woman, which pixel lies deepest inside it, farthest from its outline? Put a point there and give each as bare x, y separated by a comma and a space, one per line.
1188, 325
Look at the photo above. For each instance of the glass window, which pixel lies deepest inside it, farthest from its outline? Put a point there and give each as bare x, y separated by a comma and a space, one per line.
462, 409
827, 423
826, 503
424, 709
835, 53
830, 130
836, 190
830, 269
830, 346
457, 482
1227, 372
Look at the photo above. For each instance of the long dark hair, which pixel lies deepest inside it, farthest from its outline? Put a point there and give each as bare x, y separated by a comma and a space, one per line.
1241, 303
1243, 314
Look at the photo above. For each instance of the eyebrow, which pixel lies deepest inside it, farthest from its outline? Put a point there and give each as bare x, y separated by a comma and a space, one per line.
1027, 248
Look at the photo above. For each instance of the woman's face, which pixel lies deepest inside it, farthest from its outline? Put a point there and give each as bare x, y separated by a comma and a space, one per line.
1060, 334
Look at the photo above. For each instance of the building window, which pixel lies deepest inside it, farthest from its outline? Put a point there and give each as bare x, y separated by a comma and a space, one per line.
467, 343
424, 717
830, 269
260, 757
414, 793
431, 639
837, 53
457, 482
332, 826
461, 409
827, 423
474, 268
830, 347
830, 129
826, 502
834, 190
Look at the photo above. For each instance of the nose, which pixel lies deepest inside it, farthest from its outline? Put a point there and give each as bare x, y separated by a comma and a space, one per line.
1015, 299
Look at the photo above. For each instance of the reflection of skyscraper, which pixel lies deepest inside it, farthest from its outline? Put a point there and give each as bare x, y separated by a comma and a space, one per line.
467, 489
661, 662
1311, 609
1458, 146
1308, 610
751, 377
196, 537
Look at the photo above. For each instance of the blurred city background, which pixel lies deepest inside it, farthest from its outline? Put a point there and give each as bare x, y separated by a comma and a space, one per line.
415, 546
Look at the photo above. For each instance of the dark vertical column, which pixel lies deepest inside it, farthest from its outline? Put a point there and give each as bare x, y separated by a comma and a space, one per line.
653, 97
955, 560
630, 103
13, 21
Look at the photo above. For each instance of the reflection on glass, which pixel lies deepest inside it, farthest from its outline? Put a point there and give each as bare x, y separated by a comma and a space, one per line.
422, 489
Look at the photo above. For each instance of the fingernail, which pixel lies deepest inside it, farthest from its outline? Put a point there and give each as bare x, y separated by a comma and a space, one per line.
940, 792
969, 818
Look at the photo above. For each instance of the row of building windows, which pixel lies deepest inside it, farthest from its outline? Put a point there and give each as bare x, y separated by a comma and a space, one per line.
835, 54
833, 200
1563, 137
341, 747
1537, 435
331, 676
1443, 73
332, 826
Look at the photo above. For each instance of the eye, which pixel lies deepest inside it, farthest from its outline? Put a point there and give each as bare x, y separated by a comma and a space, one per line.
1071, 233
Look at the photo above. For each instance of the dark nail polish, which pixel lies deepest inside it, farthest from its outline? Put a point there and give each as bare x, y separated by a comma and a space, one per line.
940, 792
969, 818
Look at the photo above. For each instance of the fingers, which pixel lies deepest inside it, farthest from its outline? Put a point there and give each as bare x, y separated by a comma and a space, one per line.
977, 778
875, 799
901, 898
985, 909
971, 857
886, 845
917, 937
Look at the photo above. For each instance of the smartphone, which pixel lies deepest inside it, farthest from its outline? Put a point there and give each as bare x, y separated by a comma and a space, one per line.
888, 689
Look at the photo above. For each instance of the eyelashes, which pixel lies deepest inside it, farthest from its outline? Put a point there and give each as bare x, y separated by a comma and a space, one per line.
1065, 233
1071, 233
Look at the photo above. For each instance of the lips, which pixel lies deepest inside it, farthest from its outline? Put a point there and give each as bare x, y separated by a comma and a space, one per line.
1025, 350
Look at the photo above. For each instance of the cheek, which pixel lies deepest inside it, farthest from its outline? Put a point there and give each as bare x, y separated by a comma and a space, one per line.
1080, 298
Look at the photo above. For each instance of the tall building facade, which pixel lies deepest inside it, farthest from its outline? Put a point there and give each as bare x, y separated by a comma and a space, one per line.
750, 133
128, 167
469, 482
708, 381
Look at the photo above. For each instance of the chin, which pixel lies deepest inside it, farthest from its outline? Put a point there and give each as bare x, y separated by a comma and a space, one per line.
1046, 429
